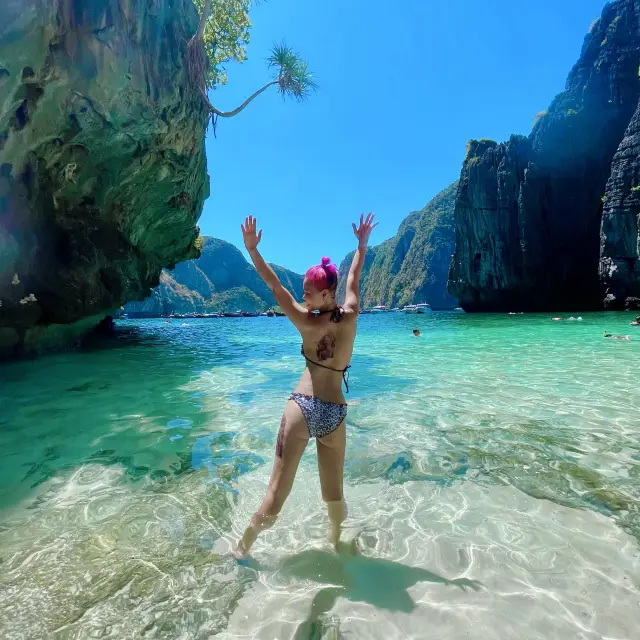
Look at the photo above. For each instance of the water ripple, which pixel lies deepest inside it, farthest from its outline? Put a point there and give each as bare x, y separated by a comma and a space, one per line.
493, 481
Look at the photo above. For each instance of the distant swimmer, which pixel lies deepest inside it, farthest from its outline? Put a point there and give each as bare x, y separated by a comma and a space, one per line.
556, 318
416, 333
609, 335
637, 322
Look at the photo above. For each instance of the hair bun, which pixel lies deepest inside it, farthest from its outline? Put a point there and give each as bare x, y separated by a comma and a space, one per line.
326, 261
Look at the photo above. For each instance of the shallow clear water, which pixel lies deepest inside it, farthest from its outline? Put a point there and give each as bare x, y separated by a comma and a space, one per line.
493, 482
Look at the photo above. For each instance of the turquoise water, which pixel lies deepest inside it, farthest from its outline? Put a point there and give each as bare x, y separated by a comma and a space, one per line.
493, 482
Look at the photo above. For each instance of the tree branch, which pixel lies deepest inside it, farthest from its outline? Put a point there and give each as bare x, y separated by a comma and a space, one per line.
206, 12
230, 114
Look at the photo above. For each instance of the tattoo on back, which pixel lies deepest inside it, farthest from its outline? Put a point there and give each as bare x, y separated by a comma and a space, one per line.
326, 347
280, 441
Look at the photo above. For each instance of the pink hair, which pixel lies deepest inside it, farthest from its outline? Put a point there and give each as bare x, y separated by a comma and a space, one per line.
323, 276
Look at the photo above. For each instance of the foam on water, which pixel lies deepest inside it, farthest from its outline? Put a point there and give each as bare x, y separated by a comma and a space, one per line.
492, 476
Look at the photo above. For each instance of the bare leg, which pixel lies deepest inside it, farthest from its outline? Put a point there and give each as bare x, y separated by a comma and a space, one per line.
293, 437
331, 450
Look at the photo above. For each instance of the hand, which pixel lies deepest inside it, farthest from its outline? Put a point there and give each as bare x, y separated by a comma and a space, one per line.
251, 239
363, 231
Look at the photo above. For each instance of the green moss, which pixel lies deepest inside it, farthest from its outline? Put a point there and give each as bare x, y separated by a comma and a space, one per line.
635, 189
572, 112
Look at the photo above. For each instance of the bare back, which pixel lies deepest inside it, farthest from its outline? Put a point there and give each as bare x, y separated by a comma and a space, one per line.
330, 344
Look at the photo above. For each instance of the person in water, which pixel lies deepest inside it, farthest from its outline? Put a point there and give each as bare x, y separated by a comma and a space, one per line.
609, 335
416, 333
316, 408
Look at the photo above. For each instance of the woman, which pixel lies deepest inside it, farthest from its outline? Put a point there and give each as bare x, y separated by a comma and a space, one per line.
316, 408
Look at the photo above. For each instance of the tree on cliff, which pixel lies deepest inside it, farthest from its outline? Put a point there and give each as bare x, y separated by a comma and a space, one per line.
223, 32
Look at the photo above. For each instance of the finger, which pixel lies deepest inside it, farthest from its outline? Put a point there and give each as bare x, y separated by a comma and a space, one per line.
260, 235
355, 230
242, 227
374, 226
368, 219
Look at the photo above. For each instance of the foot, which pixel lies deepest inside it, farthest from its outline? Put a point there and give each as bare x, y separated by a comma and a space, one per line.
348, 548
334, 536
239, 553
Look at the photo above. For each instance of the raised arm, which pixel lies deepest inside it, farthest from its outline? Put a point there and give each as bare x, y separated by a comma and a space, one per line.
362, 232
294, 311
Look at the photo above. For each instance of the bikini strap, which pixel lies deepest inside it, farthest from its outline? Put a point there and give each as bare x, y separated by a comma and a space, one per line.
336, 314
344, 372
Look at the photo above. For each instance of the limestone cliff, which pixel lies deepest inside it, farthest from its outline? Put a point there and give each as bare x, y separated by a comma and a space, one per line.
170, 296
220, 280
102, 163
413, 266
620, 234
529, 211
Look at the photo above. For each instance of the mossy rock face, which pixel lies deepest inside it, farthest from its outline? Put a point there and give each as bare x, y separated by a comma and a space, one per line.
102, 163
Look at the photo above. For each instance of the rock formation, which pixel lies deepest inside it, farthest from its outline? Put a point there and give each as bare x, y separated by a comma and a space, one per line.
413, 266
102, 163
220, 280
529, 211
620, 235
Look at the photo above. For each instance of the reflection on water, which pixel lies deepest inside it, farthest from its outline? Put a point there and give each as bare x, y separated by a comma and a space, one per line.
496, 450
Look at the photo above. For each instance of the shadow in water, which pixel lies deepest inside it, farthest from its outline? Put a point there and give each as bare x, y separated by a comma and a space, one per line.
378, 582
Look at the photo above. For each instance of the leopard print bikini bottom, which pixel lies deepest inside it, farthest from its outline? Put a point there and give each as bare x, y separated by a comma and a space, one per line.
322, 417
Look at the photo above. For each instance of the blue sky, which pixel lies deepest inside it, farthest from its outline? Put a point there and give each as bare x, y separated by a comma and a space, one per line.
402, 87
